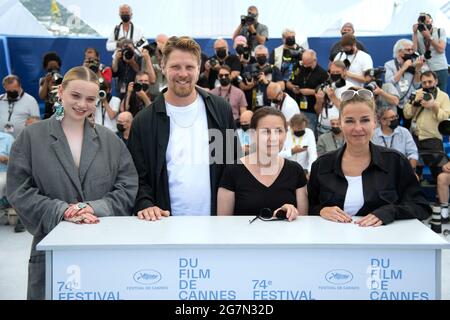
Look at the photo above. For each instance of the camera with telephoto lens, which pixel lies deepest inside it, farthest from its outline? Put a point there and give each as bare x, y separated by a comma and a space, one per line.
57, 78
93, 64
143, 44
248, 19
375, 75
244, 51
421, 20
213, 62
102, 94
139, 86
333, 84
254, 72
128, 53
294, 54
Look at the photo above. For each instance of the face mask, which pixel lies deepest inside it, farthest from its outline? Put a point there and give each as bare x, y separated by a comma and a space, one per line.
349, 52
336, 130
224, 81
394, 124
307, 69
120, 128
429, 90
429, 26
290, 41
335, 77
12, 95
407, 57
240, 49
221, 53
261, 60
94, 68
125, 18
245, 127
299, 133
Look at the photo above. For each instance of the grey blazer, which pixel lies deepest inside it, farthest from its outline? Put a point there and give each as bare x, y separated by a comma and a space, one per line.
42, 180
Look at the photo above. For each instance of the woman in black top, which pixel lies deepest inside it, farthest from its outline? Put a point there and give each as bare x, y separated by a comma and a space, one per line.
263, 179
361, 178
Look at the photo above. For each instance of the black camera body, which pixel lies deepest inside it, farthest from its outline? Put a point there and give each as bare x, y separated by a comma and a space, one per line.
128, 53
376, 73
103, 89
93, 64
248, 19
333, 84
244, 51
137, 86
213, 62
254, 72
294, 54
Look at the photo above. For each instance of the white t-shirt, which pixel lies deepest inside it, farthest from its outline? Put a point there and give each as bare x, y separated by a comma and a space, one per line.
306, 158
360, 62
289, 107
354, 199
102, 117
187, 160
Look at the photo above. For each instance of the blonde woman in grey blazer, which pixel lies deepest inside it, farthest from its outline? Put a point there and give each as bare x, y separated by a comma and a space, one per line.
65, 169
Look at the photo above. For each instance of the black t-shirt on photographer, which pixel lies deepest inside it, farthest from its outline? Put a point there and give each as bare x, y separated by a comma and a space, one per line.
309, 80
135, 104
231, 60
125, 74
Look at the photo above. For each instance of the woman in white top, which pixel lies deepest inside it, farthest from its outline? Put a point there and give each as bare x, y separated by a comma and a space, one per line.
361, 178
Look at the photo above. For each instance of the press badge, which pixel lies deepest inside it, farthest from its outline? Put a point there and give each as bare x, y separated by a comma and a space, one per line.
9, 128
404, 86
303, 104
259, 98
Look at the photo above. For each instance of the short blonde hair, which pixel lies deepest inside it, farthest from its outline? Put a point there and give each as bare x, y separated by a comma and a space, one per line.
181, 43
79, 73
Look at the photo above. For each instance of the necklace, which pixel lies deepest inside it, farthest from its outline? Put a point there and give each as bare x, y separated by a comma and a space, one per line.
188, 126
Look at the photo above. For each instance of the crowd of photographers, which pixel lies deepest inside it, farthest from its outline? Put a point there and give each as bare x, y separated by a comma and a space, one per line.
410, 89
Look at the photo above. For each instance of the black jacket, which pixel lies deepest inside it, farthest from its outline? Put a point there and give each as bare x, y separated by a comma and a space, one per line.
391, 190
148, 142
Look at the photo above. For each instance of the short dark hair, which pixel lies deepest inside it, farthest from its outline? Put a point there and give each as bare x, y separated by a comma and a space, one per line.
51, 56
429, 73
224, 66
264, 112
93, 49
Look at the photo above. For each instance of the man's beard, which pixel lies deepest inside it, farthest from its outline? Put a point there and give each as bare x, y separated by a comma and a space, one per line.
185, 90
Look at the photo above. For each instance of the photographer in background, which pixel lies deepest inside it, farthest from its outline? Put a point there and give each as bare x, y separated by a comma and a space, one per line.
15, 106
233, 95
156, 58
138, 95
255, 32
107, 107
126, 29
282, 101
385, 94
328, 96
92, 61
404, 73
307, 76
347, 28
427, 108
431, 43
208, 78
51, 63
126, 64
256, 77
287, 55
356, 61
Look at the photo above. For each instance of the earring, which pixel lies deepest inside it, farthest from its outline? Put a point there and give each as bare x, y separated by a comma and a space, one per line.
59, 110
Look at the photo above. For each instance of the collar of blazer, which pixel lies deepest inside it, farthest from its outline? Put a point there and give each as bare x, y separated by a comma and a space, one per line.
62, 149
160, 103
336, 167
